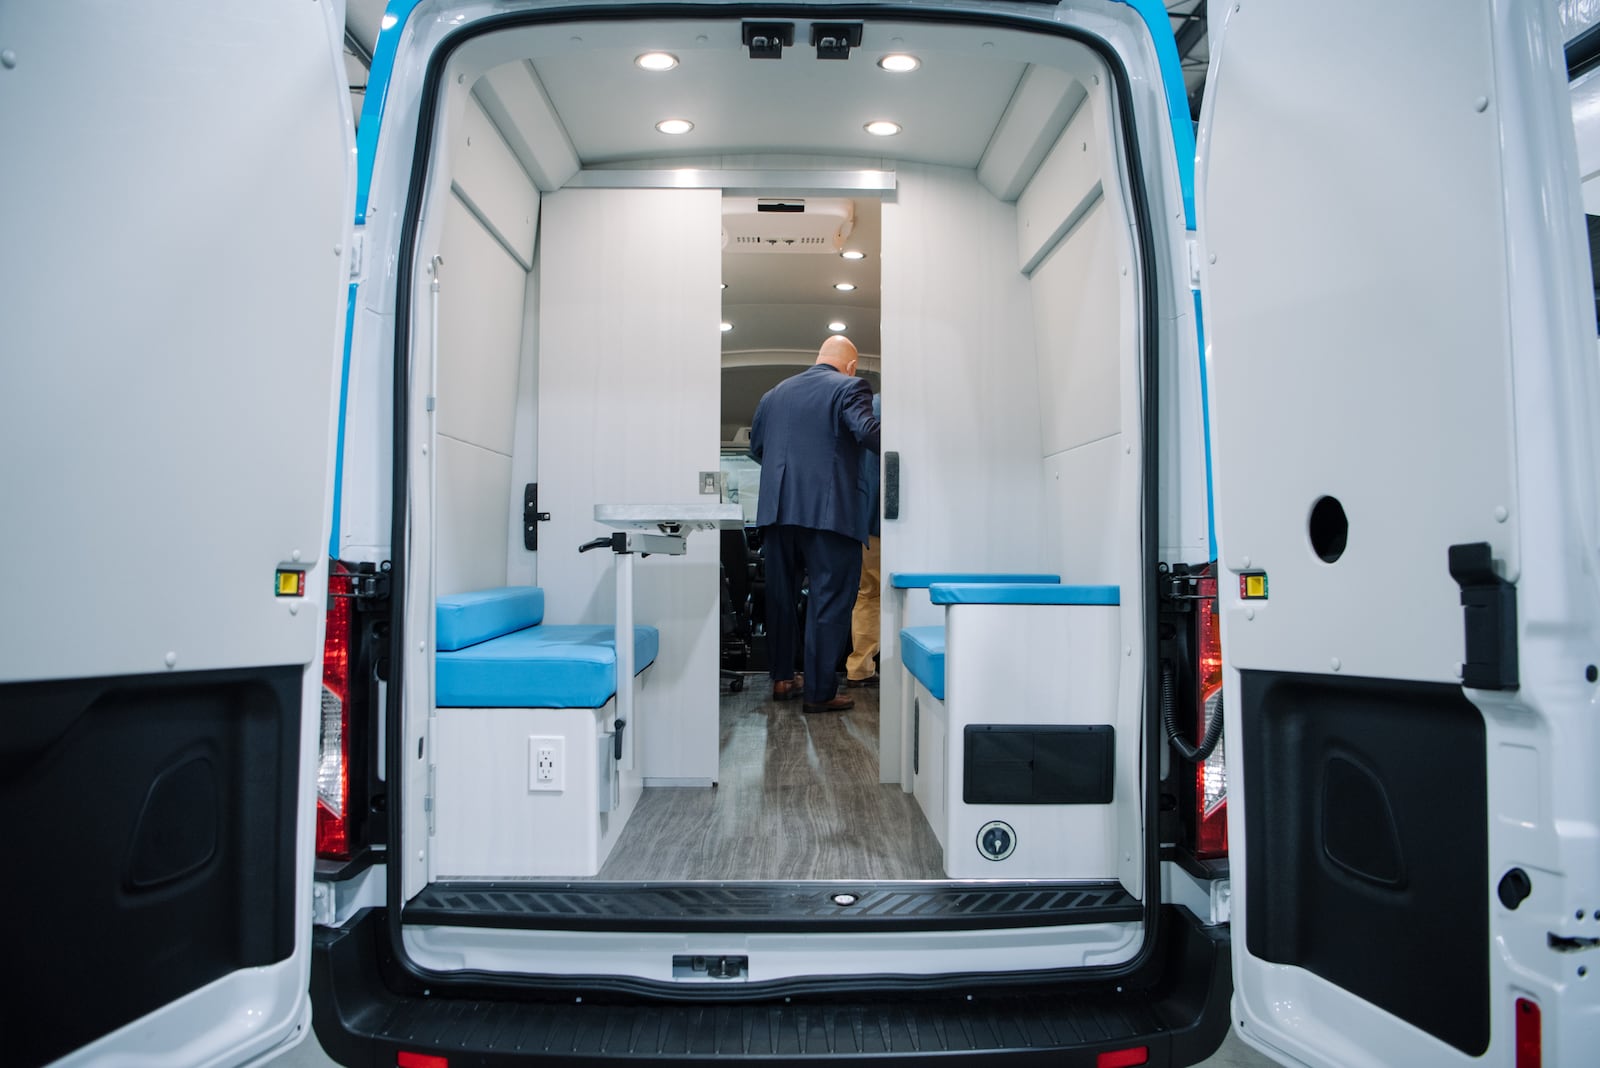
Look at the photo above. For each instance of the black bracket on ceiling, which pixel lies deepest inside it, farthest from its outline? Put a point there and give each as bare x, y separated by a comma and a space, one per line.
1489, 608
767, 40
833, 40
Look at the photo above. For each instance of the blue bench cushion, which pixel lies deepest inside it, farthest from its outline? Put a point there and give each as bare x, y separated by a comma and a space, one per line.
1022, 593
572, 666
916, 580
468, 618
922, 652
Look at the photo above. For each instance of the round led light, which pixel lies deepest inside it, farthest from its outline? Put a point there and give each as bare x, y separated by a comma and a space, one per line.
726, 327
844, 287
658, 61
853, 254
882, 128
674, 126
836, 326
724, 285
899, 63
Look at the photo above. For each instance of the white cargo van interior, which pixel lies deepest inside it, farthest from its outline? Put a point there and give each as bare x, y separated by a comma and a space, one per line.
560, 327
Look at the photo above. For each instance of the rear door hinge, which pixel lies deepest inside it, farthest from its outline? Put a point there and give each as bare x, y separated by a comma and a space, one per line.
1489, 611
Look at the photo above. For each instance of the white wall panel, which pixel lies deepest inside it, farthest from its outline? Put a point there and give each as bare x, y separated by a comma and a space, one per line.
515, 99
1064, 183
1084, 522
489, 178
1041, 107
629, 383
473, 486
1077, 335
960, 389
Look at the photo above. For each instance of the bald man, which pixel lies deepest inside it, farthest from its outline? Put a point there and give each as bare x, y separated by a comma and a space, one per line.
808, 435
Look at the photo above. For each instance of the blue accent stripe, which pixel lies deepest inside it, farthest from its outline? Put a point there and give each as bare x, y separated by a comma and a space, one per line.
1205, 416
383, 54
372, 102
1154, 14
338, 445
914, 580
1022, 593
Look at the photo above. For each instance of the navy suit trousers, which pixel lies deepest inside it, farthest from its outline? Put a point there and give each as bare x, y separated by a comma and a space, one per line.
833, 562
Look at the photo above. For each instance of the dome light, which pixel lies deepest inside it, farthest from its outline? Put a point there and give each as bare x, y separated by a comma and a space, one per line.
656, 61
726, 327
844, 287
882, 128
836, 326
853, 254
674, 126
899, 63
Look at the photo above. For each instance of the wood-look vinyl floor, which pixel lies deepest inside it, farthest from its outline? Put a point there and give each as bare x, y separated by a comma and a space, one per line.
797, 797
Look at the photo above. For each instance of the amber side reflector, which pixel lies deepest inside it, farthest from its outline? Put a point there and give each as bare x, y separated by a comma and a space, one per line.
1529, 1043
1123, 1058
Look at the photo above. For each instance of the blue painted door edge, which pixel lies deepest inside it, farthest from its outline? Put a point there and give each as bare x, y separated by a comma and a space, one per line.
1156, 20
372, 105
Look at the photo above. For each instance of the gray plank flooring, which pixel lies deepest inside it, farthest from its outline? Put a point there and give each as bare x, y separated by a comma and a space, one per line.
797, 797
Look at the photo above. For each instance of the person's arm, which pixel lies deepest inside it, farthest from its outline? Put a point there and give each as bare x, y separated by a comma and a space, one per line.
757, 446
856, 411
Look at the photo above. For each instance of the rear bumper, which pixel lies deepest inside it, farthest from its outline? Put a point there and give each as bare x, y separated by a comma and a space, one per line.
367, 1010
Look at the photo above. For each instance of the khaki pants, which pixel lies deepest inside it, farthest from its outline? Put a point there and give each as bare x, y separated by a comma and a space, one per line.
864, 620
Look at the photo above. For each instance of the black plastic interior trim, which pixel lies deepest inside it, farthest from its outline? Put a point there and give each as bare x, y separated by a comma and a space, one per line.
421, 164
770, 907
1583, 52
367, 1007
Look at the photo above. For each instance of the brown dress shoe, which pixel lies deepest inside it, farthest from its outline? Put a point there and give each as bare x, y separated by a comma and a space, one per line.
840, 703
870, 680
787, 689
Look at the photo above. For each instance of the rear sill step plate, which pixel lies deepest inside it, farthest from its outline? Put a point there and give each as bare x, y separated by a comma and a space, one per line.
771, 906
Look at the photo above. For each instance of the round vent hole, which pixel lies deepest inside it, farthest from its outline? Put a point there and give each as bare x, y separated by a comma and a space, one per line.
1330, 530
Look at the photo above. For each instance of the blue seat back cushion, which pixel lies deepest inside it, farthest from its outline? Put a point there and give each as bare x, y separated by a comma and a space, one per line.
540, 667
915, 580
465, 619
922, 652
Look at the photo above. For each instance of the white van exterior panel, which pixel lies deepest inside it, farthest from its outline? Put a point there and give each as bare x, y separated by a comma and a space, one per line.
488, 177
629, 387
1043, 104
1078, 336
1064, 183
516, 101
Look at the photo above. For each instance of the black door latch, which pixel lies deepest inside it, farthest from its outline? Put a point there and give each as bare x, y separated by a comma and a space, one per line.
532, 517
1489, 609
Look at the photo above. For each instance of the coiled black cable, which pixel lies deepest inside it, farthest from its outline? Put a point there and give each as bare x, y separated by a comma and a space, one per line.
1193, 754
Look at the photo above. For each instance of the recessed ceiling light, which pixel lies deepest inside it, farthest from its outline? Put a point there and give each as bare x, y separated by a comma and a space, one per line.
389, 21
724, 285
844, 287
836, 326
882, 128
658, 61
674, 126
853, 254
726, 327
899, 63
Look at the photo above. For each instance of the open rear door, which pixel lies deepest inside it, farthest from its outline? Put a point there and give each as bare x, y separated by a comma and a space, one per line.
1403, 391
177, 195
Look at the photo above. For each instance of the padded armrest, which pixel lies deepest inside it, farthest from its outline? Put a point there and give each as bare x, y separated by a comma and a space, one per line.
1022, 593
916, 580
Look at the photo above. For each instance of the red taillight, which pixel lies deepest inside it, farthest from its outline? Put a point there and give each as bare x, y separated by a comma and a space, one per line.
1123, 1058
1530, 1053
1210, 774
420, 1060
333, 765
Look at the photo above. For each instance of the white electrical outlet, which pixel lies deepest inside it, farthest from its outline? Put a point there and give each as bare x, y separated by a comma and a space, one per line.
547, 762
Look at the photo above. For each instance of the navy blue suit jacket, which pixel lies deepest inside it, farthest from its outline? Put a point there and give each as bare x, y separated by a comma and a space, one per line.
808, 435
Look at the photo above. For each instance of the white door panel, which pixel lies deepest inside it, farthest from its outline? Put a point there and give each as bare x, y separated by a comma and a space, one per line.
1398, 314
176, 216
